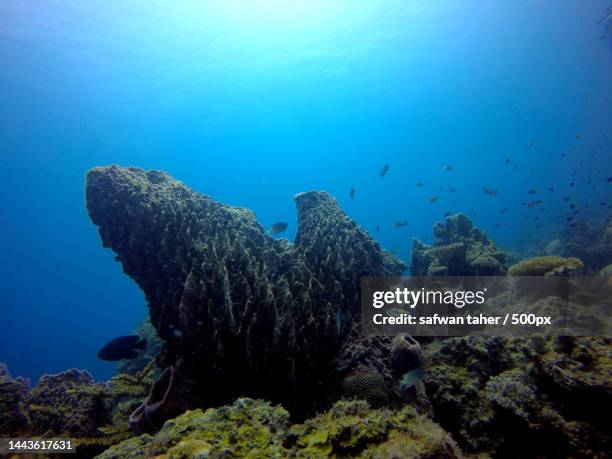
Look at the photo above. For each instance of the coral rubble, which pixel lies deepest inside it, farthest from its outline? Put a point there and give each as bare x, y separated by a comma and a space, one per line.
459, 249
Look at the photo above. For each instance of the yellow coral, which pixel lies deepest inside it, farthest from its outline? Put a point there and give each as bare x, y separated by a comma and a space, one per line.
540, 266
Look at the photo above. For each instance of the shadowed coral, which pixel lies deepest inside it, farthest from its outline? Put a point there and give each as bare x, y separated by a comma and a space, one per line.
13, 393
545, 266
524, 396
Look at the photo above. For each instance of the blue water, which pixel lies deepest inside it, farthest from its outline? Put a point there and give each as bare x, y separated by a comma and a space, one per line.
254, 101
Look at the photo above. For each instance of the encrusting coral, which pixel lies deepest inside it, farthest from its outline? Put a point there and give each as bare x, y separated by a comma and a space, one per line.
253, 428
459, 249
240, 312
548, 265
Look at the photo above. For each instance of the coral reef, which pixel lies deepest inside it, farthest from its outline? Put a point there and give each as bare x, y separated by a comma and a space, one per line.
549, 265
459, 249
68, 403
524, 396
239, 312
589, 241
252, 428
13, 393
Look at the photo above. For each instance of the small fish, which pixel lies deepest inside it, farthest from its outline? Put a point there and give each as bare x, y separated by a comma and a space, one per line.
532, 191
572, 184
277, 228
567, 198
551, 188
578, 136
573, 206
536, 219
384, 170
534, 203
434, 198
452, 189
352, 193
538, 226
446, 214
569, 219
124, 347
507, 161
609, 179
400, 224
411, 378
490, 191
378, 228
530, 144
419, 184
447, 168
339, 320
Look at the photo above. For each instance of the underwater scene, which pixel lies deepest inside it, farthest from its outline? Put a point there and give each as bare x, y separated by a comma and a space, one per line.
195, 197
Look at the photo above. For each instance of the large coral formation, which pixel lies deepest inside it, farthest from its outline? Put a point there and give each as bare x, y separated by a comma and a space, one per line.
459, 249
245, 313
251, 428
523, 397
549, 265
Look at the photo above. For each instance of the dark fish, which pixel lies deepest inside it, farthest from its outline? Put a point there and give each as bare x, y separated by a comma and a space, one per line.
569, 219
419, 184
578, 136
277, 228
532, 191
447, 168
452, 189
572, 184
609, 179
538, 226
490, 191
446, 214
532, 204
124, 347
567, 198
434, 198
352, 193
378, 228
384, 170
551, 188
507, 161
400, 224
536, 219
530, 144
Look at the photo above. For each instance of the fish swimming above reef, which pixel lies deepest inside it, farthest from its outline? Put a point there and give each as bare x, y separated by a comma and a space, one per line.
434, 198
384, 170
124, 347
277, 228
419, 184
490, 191
400, 224
352, 193
507, 161
447, 168
532, 191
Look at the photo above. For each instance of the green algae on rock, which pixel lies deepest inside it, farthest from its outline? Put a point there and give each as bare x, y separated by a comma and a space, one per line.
253, 428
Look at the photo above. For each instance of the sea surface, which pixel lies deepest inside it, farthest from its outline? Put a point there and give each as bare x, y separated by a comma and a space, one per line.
252, 102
